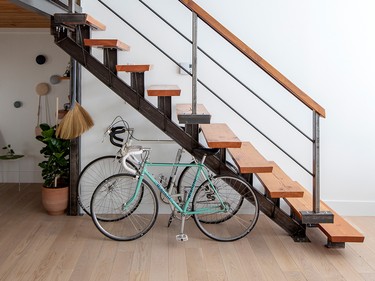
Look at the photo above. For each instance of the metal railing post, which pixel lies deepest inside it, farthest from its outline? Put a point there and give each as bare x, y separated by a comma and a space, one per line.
316, 163
316, 216
71, 5
194, 62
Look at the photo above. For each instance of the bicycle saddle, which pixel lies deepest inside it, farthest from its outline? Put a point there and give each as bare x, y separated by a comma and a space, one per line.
207, 151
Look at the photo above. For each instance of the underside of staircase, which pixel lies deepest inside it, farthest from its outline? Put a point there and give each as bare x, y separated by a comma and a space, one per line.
72, 33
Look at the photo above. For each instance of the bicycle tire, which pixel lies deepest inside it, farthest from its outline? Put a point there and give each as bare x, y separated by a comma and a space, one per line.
236, 222
186, 180
188, 174
93, 174
187, 177
109, 182
116, 221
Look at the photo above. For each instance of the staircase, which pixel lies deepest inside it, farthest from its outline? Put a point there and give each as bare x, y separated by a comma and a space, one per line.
72, 33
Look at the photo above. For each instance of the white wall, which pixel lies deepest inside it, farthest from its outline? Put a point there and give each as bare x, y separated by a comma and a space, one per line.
19, 75
324, 47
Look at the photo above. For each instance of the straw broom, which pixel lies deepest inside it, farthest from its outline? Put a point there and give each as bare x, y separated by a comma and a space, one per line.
76, 121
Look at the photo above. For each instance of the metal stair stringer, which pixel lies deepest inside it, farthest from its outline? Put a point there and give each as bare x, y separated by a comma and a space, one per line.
117, 85
173, 130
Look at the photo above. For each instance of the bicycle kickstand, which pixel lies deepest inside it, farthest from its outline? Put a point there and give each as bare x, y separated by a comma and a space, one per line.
170, 219
182, 236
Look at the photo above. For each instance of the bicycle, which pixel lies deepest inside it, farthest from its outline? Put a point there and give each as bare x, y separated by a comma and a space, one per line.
120, 135
124, 206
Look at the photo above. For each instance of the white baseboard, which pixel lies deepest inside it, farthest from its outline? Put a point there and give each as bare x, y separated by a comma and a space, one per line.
20, 176
352, 208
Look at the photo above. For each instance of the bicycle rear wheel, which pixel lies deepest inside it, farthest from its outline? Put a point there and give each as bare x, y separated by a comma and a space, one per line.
93, 174
113, 218
239, 218
188, 175
186, 181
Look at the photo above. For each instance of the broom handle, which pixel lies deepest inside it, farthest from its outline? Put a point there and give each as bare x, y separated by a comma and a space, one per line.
57, 110
73, 84
37, 122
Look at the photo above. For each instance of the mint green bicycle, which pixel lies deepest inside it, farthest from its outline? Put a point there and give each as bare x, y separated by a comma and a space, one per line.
124, 207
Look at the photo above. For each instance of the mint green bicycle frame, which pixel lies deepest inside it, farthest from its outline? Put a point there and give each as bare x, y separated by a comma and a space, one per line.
184, 210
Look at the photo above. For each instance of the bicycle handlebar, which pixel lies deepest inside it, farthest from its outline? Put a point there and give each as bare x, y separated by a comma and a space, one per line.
113, 135
130, 151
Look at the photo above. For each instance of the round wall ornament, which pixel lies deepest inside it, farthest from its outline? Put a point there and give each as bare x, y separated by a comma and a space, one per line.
42, 89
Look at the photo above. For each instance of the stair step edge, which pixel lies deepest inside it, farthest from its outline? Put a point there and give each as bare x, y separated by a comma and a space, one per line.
75, 19
94, 23
163, 90
186, 109
279, 184
107, 43
134, 67
185, 116
219, 135
249, 160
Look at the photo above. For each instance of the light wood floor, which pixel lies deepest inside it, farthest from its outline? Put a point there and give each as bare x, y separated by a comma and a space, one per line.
35, 246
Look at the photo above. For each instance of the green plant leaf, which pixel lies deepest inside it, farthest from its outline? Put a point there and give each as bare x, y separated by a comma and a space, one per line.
44, 126
56, 153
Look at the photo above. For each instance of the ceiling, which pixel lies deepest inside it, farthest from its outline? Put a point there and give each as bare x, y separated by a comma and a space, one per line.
13, 16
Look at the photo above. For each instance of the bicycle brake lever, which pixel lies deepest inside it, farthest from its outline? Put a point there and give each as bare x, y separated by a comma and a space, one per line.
106, 132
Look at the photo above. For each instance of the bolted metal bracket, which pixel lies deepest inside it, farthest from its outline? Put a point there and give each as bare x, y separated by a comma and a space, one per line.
194, 118
301, 239
312, 218
335, 245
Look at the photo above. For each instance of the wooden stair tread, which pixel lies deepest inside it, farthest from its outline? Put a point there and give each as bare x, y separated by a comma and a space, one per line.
163, 90
185, 116
106, 43
279, 184
95, 24
134, 67
338, 231
186, 109
219, 135
249, 160
79, 19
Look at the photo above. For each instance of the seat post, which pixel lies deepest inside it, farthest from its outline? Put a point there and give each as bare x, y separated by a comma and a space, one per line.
203, 158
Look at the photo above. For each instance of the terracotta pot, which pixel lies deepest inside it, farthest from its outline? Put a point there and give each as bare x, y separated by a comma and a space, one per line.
55, 200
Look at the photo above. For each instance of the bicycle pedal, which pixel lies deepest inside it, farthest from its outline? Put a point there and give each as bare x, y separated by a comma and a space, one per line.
182, 237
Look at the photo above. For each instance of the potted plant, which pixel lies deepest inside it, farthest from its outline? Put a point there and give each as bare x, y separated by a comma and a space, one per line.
55, 170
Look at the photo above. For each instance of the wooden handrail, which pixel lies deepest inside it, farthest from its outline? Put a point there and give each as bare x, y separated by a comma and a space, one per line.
254, 57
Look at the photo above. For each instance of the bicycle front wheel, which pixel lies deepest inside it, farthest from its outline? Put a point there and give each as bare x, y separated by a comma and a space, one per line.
116, 216
93, 174
240, 212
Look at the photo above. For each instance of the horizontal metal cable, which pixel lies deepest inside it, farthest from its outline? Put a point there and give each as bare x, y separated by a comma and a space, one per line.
205, 86
228, 72
256, 128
